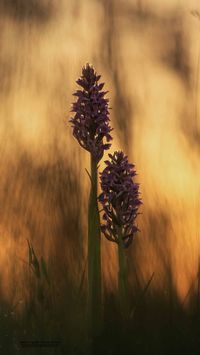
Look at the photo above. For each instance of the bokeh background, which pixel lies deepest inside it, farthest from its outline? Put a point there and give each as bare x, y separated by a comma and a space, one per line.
148, 53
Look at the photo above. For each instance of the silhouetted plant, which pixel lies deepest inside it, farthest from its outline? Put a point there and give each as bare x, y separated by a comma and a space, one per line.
120, 201
91, 127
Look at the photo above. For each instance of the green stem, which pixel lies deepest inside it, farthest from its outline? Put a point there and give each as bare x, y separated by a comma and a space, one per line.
122, 279
94, 257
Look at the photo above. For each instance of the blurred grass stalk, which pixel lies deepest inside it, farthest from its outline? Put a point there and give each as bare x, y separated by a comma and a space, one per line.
94, 257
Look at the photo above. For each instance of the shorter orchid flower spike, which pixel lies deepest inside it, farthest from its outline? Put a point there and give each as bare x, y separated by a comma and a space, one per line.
119, 198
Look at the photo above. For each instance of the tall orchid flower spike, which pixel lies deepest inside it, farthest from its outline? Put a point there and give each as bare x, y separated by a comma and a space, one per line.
91, 122
120, 200
91, 128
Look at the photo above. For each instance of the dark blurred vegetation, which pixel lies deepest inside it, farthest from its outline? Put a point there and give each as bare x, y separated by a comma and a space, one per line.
43, 184
32, 10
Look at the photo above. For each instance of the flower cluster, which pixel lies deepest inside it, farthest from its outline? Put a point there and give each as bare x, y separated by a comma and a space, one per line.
91, 120
119, 198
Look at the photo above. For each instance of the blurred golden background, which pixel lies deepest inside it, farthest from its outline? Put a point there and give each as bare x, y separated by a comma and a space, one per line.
148, 53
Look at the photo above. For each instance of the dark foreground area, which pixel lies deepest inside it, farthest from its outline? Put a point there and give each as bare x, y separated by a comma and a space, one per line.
156, 326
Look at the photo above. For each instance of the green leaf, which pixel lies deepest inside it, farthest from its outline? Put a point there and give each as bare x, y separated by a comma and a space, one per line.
44, 269
33, 260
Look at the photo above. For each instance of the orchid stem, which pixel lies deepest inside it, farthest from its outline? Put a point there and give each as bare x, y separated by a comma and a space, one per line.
122, 279
94, 257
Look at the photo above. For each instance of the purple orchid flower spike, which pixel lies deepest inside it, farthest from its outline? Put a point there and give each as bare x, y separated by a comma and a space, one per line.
91, 122
119, 198
120, 201
91, 128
